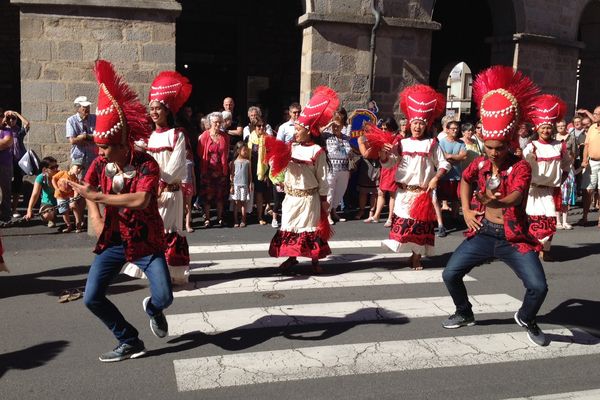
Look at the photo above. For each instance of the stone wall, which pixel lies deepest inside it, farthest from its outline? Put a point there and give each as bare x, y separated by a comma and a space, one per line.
58, 51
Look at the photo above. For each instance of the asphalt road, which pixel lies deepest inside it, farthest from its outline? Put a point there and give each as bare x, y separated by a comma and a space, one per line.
49, 350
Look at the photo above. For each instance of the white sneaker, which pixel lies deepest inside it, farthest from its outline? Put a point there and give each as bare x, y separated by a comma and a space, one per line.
567, 226
16, 215
274, 223
559, 226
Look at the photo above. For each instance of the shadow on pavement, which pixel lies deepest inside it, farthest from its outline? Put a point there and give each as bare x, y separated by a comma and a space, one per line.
42, 282
32, 357
576, 313
566, 253
244, 337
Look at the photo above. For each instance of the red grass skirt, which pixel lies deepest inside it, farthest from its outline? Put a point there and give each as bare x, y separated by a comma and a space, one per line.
293, 244
408, 230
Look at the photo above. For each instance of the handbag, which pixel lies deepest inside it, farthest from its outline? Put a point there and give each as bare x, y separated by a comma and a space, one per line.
30, 163
178, 251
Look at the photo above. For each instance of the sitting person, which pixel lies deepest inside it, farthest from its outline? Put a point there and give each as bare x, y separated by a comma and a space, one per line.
65, 197
42, 187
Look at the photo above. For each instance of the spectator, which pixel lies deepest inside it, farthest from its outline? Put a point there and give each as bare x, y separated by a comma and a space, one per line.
253, 114
213, 151
590, 162
6, 168
387, 183
65, 196
256, 143
80, 128
445, 119
241, 183
18, 150
42, 187
339, 153
236, 128
471, 144
524, 136
287, 129
454, 152
568, 188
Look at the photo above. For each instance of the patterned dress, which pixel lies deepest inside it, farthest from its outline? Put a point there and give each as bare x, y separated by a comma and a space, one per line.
417, 160
544, 199
305, 187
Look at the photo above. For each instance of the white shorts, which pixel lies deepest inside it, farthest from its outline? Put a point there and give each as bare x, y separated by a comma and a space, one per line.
589, 178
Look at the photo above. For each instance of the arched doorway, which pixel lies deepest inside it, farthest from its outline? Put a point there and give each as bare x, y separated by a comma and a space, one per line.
459, 91
589, 33
247, 49
480, 42
10, 76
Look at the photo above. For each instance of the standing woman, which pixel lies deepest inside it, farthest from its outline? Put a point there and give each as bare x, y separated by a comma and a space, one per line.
417, 158
387, 182
568, 189
550, 164
256, 144
18, 150
339, 152
304, 226
167, 145
213, 151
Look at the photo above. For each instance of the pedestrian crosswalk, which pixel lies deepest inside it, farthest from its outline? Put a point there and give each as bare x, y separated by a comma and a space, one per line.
242, 270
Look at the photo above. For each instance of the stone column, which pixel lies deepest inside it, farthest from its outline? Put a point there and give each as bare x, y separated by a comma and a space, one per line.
551, 63
336, 52
61, 40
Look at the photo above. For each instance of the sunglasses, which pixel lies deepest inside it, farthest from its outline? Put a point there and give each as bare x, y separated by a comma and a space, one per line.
11, 117
53, 167
260, 126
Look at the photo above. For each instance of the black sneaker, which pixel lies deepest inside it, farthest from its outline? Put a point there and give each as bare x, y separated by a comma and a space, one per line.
456, 321
534, 333
124, 351
158, 323
442, 232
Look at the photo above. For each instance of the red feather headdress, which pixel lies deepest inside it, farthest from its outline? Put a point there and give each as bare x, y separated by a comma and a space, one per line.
422, 102
319, 110
546, 109
503, 95
120, 117
171, 89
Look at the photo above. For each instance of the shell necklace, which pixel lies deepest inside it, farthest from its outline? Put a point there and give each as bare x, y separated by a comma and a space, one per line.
118, 176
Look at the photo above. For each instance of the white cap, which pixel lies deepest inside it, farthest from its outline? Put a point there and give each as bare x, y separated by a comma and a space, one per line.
82, 101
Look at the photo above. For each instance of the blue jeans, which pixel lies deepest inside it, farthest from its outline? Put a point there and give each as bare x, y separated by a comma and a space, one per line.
105, 268
490, 241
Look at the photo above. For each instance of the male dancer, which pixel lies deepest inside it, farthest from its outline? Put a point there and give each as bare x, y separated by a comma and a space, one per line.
503, 181
131, 229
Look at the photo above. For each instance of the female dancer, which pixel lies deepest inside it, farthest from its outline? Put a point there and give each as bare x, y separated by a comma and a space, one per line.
417, 157
304, 227
550, 164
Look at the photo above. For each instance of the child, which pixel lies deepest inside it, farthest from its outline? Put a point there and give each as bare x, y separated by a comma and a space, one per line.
43, 187
241, 183
64, 196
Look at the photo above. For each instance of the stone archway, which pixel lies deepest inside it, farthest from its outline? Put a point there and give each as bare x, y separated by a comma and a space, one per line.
589, 34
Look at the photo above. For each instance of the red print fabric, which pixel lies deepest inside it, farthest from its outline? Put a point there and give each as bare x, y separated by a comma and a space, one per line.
515, 175
542, 226
141, 232
294, 244
408, 230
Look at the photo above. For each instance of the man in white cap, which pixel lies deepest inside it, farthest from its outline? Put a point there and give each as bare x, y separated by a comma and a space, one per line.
79, 132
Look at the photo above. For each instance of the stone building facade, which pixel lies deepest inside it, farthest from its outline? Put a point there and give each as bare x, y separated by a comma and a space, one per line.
415, 41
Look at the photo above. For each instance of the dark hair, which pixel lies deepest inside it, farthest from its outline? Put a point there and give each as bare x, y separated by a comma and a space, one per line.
47, 161
449, 123
390, 123
341, 111
467, 126
258, 121
170, 117
295, 105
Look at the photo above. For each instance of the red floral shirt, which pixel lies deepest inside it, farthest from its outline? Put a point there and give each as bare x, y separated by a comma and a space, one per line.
141, 231
515, 175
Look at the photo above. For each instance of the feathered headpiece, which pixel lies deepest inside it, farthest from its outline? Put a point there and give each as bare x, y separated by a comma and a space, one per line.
120, 117
171, 89
319, 110
503, 95
546, 109
422, 102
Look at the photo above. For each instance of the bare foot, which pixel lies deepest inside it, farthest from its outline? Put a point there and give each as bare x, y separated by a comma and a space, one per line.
415, 261
317, 269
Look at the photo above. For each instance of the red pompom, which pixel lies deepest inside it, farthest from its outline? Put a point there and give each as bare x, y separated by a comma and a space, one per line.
324, 229
376, 138
278, 154
422, 208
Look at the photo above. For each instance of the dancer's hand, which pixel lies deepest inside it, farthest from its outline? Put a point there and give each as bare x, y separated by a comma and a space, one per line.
472, 219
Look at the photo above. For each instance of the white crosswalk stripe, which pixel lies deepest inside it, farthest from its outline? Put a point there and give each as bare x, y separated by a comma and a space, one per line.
230, 273
579, 395
372, 357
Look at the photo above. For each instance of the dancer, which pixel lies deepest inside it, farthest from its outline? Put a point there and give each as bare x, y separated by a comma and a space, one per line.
550, 164
131, 228
417, 158
167, 145
304, 227
498, 227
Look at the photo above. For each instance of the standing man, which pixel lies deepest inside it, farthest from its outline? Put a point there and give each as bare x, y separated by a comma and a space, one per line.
79, 132
236, 127
590, 162
285, 133
131, 228
498, 227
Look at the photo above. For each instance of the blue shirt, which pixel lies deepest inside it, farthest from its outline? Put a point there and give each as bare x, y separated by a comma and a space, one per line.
75, 127
453, 147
